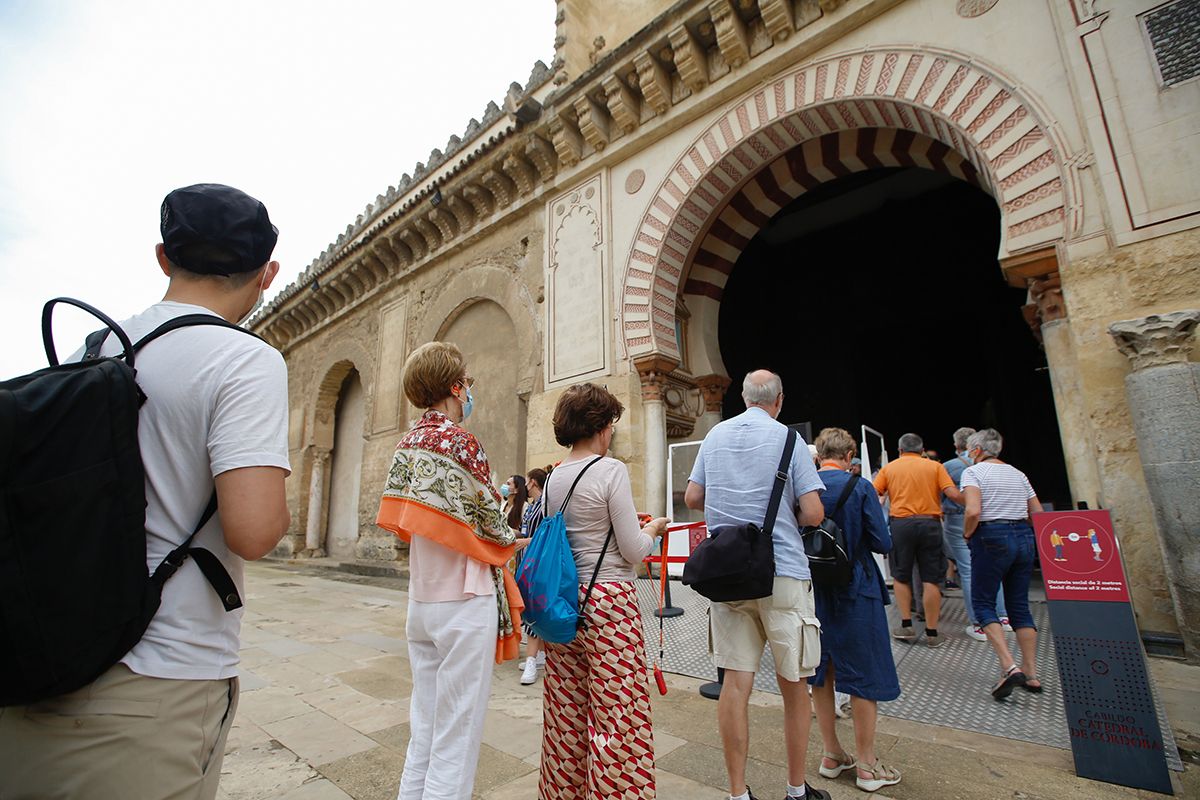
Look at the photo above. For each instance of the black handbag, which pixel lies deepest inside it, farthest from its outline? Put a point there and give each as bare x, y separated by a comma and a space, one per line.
738, 562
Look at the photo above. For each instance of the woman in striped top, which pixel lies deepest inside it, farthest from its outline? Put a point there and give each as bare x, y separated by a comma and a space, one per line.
999, 502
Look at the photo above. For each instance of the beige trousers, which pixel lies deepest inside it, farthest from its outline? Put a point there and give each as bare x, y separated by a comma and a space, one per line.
122, 737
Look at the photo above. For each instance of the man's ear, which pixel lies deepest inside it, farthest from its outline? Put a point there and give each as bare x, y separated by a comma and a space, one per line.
272, 271
164, 264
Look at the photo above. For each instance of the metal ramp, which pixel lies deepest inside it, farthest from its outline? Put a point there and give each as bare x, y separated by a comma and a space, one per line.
948, 686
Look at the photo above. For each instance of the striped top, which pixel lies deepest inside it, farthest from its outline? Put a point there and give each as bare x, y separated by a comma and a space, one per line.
1004, 490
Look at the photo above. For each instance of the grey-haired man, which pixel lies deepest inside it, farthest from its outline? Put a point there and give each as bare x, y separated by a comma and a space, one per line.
731, 481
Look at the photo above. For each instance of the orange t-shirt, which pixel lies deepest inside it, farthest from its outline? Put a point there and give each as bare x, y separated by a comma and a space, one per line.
914, 485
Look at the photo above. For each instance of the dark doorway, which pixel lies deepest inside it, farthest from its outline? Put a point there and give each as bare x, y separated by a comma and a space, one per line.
878, 299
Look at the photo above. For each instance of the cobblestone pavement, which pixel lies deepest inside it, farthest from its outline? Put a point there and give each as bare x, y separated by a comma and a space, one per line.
324, 716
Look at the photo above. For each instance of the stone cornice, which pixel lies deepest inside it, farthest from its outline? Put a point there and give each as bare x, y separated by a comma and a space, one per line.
546, 134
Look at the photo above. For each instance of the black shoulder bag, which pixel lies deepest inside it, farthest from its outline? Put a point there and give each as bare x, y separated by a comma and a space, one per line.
738, 562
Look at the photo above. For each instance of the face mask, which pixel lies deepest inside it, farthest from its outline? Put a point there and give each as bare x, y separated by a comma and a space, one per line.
469, 405
504, 490
257, 303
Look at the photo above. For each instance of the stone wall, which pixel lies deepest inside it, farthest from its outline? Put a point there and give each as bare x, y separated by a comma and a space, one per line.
500, 276
1155, 276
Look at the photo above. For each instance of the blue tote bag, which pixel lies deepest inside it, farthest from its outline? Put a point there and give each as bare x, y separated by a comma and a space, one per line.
547, 577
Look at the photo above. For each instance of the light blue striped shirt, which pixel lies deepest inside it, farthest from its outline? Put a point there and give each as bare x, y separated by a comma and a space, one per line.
736, 466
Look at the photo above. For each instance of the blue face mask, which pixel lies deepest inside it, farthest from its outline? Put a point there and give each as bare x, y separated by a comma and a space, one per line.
504, 490
469, 405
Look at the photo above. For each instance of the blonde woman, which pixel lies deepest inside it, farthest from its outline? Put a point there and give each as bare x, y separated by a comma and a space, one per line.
464, 608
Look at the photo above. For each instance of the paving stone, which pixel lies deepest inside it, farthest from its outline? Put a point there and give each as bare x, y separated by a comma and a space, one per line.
319, 789
517, 737
293, 677
385, 678
269, 704
378, 641
370, 775
497, 768
362, 712
318, 738
323, 662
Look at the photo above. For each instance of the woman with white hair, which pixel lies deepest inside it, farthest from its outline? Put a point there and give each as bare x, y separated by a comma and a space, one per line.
999, 503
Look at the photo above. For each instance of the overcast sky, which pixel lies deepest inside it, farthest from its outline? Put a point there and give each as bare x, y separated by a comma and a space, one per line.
313, 107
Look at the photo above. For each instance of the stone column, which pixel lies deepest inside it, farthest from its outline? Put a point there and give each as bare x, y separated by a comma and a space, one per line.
316, 504
1053, 328
653, 371
712, 389
1164, 401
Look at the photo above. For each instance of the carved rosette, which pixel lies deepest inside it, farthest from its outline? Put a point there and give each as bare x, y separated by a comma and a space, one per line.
712, 389
1157, 340
653, 371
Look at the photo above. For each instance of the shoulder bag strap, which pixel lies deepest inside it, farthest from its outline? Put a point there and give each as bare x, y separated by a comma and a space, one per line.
845, 495
781, 475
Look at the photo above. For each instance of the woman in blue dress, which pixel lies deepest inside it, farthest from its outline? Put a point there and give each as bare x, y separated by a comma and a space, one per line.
856, 653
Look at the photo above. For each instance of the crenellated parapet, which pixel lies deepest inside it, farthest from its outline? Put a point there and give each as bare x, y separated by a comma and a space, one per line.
553, 124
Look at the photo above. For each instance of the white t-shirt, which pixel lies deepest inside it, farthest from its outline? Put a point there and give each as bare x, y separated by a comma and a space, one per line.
1004, 490
216, 401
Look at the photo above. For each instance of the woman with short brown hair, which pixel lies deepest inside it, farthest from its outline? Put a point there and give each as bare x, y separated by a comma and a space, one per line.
464, 608
598, 742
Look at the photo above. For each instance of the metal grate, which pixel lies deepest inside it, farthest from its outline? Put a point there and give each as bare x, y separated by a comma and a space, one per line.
1174, 34
948, 686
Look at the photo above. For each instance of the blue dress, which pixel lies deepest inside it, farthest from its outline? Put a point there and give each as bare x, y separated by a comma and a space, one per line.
854, 627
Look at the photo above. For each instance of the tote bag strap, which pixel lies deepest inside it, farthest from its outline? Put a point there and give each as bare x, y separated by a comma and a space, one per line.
781, 475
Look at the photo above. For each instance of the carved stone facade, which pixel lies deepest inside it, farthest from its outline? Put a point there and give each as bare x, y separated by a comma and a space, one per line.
585, 227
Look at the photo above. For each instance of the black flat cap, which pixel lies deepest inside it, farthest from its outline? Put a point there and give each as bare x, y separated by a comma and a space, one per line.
213, 229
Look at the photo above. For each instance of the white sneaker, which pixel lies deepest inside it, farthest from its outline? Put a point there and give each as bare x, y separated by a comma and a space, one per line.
976, 633
541, 660
1005, 624
529, 675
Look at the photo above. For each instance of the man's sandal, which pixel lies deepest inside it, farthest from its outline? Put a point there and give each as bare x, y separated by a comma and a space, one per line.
1013, 677
881, 775
844, 762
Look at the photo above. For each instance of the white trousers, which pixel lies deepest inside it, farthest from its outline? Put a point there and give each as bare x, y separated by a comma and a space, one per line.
452, 649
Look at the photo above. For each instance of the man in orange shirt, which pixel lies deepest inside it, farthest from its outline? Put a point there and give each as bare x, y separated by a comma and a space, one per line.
915, 486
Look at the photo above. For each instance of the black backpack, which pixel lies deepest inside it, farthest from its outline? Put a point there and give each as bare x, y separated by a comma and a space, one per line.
825, 545
75, 594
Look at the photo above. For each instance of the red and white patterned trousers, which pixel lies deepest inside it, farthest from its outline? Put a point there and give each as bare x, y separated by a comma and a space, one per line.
598, 743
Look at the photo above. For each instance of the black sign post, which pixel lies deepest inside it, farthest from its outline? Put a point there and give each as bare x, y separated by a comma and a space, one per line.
1115, 736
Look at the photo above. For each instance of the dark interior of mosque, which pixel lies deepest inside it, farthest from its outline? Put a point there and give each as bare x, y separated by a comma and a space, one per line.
878, 299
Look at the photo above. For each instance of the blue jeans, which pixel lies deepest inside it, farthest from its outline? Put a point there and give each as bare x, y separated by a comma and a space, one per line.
1002, 555
957, 550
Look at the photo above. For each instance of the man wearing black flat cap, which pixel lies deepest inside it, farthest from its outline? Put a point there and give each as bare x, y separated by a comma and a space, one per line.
155, 724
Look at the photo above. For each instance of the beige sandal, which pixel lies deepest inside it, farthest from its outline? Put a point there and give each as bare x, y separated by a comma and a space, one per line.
844, 762
881, 776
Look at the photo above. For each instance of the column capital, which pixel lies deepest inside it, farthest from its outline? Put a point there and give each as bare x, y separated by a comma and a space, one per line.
1157, 340
712, 389
653, 370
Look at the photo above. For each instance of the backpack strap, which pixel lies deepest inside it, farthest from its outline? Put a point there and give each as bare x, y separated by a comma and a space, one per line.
587, 595
187, 321
214, 571
571, 491
95, 340
845, 495
781, 476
